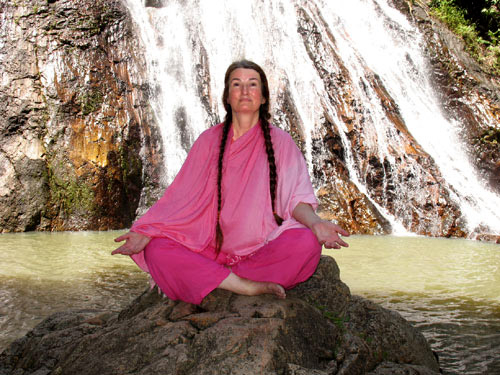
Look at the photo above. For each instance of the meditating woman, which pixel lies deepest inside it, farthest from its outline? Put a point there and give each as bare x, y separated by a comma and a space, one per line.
240, 213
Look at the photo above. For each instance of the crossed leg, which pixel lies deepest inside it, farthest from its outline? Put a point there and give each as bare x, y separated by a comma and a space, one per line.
280, 264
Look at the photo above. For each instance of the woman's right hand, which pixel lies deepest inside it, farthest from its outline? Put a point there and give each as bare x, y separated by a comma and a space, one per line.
134, 243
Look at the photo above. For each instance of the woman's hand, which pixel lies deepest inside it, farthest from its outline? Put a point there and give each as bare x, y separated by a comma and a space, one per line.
325, 231
327, 234
134, 243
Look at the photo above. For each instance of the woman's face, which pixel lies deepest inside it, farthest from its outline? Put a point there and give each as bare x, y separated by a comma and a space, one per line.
245, 91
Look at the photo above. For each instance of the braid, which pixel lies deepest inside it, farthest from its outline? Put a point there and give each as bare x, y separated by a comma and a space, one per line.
219, 237
273, 176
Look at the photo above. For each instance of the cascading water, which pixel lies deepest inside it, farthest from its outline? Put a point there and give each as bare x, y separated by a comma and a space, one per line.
373, 50
390, 46
177, 38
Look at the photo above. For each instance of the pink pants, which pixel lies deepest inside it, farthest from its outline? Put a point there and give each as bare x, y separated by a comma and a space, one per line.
189, 276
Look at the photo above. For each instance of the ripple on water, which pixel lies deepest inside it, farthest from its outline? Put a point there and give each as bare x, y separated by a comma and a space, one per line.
43, 273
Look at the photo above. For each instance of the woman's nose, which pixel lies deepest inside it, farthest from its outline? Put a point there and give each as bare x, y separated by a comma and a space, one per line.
244, 89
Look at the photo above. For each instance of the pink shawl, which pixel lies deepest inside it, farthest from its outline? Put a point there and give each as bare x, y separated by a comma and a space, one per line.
187, 211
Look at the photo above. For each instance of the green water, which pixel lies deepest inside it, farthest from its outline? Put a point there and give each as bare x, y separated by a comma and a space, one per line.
42, 273
449, 289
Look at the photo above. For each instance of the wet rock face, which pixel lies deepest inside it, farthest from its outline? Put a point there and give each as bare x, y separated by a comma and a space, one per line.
76, 131
319, 329
79, 148
155, 3
339, 198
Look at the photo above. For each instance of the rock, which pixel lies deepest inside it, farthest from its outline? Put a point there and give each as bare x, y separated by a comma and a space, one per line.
389, 175
155, 3
318, 329
77, 133
80, 147
389, 368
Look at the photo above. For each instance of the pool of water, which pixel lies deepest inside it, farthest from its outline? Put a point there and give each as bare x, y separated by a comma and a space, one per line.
449, 289
42, 273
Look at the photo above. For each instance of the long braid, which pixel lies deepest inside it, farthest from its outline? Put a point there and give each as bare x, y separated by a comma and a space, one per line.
273, 175
219, 237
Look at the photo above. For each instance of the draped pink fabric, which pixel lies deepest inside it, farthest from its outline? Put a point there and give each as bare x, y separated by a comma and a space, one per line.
187, 211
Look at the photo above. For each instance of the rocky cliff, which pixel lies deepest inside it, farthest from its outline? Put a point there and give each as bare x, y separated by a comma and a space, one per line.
407, 183
77, 147
470, 94
80, 148
320, 328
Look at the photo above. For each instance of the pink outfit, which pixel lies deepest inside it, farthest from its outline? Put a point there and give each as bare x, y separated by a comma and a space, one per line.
189, 276
187, 211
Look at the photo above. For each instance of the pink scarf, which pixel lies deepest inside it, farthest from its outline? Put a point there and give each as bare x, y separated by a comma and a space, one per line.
187, 211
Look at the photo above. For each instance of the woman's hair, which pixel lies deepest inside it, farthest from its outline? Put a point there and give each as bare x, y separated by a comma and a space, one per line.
264, 117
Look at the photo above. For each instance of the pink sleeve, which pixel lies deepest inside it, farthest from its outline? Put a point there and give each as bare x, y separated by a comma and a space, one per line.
294, 183
185, 211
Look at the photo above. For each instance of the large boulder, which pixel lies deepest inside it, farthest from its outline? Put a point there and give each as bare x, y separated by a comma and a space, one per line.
320, 328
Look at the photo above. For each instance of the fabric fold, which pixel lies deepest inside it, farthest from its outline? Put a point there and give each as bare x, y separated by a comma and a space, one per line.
187, 211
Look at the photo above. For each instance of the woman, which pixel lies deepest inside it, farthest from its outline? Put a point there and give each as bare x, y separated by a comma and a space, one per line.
240, 213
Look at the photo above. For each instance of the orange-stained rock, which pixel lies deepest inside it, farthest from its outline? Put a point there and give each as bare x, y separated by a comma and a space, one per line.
80, 102
79, 148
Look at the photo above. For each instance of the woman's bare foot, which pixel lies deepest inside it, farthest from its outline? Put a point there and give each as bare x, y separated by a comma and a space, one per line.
239, 285
275, 289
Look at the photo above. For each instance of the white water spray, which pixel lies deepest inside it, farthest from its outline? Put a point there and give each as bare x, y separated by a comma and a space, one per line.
391, 47
368, 33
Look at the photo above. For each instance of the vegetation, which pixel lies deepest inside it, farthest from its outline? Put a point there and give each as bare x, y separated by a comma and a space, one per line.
490, 135
90, 101
338, 321
69, 194
477, 23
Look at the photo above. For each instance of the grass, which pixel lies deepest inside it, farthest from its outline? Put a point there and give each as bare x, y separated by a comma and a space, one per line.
486, 51
337, 320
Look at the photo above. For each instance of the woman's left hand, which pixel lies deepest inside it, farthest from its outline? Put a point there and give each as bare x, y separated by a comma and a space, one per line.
328, 234
325, 231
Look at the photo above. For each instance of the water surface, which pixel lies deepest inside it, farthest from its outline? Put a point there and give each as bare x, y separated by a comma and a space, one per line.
42, 273
449, 289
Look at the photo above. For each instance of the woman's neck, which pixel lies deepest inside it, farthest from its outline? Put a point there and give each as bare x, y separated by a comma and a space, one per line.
243, 123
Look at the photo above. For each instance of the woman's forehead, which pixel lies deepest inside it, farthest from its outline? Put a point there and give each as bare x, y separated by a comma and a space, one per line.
244, 74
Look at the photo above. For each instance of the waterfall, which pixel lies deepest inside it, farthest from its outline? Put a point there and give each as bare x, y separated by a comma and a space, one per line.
382, 91
390, 46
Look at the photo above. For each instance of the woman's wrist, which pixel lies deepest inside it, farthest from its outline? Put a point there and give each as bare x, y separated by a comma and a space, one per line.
305, 214
315, 222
